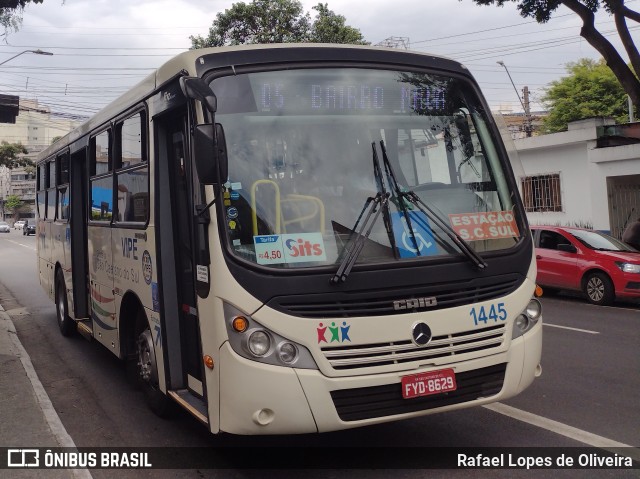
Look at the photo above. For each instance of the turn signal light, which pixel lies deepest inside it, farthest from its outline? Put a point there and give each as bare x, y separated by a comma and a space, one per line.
208, 361
538, 291
240, 324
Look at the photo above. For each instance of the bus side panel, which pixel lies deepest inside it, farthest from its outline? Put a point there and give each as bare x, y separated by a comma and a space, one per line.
61, 255
46, 277
134, 263
135, 271
101, 284
44, 250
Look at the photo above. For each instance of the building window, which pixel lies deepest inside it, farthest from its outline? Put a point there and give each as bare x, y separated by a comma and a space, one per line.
542, 193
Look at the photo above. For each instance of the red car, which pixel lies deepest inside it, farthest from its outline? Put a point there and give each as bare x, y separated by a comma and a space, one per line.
597, 264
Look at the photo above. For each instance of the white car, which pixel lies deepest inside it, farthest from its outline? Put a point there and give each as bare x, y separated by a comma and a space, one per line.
4, 227
18, 225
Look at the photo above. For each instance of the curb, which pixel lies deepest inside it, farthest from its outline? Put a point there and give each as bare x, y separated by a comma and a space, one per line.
58, 430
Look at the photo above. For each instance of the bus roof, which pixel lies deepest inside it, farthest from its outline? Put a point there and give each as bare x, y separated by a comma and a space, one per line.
190, 60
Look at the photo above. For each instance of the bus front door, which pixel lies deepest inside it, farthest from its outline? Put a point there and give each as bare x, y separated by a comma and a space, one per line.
175, 218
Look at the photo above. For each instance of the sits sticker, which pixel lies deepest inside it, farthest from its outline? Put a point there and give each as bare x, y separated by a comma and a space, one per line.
289, 248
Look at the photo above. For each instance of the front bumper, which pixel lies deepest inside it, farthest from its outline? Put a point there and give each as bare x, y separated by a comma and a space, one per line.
261, 399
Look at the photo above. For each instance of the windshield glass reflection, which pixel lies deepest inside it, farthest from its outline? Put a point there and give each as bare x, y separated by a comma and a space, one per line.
301, 165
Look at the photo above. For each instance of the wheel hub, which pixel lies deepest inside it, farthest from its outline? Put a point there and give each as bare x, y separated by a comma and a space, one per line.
147, 358
595, 289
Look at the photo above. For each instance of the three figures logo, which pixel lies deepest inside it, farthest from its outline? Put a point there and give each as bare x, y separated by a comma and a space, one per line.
338, 334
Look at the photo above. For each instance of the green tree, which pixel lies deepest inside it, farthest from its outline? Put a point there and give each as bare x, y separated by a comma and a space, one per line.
276, 21
11, 13
542, 10
590, 89
9, 155
328, 27
12, 204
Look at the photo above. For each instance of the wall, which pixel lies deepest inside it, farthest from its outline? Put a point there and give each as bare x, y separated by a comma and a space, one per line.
583, 169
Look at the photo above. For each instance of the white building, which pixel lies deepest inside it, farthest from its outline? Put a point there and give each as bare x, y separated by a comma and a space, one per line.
588, 176
35, 127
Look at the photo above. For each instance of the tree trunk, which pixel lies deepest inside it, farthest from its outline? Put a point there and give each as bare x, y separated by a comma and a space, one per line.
623, 73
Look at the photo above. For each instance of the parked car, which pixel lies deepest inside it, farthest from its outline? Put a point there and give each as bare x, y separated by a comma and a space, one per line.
29, 229
18, 225
595, 263
4, 227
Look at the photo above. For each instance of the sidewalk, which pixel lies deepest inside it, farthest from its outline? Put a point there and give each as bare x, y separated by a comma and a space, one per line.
27, 417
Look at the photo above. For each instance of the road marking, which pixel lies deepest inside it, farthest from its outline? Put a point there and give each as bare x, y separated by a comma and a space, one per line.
572, 329
23, 245
566, 430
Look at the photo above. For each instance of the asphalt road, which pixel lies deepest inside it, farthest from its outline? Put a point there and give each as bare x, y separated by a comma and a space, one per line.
587, 395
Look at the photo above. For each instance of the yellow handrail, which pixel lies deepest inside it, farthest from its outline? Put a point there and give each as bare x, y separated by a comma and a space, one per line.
319, 208
254, 214
280, 225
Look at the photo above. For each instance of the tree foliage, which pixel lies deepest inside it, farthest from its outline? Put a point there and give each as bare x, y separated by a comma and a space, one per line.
328, 27
11, 13
590, 89
13, 203
10, 155
277, 21
542, 11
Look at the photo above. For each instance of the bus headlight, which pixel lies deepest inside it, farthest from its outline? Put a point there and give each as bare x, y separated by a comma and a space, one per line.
527, 319
288, 352
259, 343
534, 309
253, 341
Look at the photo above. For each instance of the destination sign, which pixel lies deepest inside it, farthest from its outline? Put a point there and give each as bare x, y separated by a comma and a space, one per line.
335, 91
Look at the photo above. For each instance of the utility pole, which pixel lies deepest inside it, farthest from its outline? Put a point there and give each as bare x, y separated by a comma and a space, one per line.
527, 111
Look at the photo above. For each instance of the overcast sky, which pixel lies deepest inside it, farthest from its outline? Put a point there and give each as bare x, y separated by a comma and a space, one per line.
102, 47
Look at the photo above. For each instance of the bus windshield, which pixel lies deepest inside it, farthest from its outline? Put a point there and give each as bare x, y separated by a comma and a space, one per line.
309, 151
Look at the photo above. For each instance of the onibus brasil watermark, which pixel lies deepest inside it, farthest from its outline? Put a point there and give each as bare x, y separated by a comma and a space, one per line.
33, 458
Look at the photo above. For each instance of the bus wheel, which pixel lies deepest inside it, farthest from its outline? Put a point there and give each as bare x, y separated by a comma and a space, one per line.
599, 289
65, 323
148, 375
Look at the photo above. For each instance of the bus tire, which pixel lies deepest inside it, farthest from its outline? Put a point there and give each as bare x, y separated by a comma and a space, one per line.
158, 402
599, 289
65, 323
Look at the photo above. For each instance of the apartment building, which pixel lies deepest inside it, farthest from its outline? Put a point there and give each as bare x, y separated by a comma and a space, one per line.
35, 127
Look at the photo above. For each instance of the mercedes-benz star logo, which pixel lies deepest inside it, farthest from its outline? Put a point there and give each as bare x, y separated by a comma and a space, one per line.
421, 334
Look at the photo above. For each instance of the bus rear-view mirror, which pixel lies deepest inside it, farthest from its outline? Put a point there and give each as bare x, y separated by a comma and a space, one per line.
210, 152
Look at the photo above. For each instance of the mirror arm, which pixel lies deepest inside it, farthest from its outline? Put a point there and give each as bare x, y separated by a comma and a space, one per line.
204, 210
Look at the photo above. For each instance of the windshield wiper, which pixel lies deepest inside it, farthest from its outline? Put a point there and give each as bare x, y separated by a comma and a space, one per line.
376, 205
373, 207
416, 201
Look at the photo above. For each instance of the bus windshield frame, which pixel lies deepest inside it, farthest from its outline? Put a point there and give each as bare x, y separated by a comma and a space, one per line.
284, 124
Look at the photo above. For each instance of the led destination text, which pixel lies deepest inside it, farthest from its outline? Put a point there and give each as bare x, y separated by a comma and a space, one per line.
351, 97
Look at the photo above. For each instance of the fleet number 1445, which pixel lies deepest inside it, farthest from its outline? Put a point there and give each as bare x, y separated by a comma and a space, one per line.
488, 314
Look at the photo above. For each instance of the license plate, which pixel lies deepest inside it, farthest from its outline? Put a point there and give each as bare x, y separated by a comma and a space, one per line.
425, 384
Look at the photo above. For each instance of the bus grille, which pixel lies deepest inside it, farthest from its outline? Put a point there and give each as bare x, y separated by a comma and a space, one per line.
387, 400
381, 354
379, 302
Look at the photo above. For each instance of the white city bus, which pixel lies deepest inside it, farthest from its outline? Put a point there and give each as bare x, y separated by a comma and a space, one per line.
296, 238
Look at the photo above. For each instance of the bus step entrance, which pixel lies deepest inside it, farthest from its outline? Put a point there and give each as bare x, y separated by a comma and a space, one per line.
191, 403
85, 329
